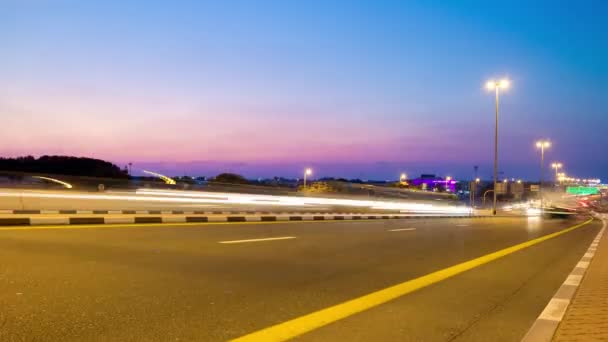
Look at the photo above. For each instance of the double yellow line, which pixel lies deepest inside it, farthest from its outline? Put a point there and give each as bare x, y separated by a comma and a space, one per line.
301, 325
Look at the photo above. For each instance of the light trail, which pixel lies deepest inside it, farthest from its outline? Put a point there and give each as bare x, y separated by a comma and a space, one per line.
199, 198
166, 179
249, 199
67, 185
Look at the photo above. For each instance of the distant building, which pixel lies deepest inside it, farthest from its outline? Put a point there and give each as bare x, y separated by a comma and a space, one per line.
431, 182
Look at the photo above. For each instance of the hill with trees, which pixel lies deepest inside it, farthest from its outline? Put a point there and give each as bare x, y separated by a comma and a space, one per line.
63, 165
231, 178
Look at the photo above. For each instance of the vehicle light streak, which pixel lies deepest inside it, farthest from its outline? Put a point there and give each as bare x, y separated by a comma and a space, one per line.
235, 198
166, 179
67, 185
194, 198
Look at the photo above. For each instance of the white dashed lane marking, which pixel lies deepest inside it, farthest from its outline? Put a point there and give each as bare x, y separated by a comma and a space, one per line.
258, 240
401, 229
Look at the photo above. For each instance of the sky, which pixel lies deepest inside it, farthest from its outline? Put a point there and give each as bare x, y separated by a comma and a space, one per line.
365, 89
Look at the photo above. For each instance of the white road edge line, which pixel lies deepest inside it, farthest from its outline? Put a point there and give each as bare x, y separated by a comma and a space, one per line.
258, 240
547, 322
401, 229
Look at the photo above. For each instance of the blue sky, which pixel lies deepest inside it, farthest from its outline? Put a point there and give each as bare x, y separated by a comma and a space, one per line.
353, 88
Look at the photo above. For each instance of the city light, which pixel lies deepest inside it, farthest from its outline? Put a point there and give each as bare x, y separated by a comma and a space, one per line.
307, 172
543, 144
501, 84
557, 166
477, 180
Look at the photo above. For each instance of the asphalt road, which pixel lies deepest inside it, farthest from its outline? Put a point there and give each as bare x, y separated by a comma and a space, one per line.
203, 282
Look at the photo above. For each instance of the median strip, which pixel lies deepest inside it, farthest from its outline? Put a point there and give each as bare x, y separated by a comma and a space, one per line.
258, 240
301, 325
79, 218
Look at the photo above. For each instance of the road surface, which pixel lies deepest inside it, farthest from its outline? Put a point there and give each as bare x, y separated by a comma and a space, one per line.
213, 282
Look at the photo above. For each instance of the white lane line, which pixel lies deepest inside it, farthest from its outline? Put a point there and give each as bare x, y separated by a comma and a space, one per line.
401, 229
258, 240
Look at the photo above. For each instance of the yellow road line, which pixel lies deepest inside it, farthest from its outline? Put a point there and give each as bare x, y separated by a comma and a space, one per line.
301, 325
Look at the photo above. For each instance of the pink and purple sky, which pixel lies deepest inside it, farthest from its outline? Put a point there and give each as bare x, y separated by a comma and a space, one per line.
352, 89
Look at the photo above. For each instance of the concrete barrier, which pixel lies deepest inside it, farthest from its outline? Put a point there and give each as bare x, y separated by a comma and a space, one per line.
79, 218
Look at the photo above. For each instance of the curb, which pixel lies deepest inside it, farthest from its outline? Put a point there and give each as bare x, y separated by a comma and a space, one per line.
547, 322
184, 218
125, 212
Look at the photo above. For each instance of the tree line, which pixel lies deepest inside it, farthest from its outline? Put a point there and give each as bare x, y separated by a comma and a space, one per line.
63, 165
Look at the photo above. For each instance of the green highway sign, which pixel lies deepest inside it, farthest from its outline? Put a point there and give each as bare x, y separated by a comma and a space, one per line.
582, 190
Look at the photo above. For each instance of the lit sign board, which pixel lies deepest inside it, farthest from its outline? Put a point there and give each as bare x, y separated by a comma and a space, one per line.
582, 190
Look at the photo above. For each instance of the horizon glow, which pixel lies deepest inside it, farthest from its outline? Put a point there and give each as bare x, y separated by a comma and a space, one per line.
367, 90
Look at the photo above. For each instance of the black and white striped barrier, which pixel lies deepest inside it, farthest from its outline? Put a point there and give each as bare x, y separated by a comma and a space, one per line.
185, 218
125, 212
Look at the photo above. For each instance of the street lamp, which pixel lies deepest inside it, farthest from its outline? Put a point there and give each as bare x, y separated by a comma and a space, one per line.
473, 190
496, 85
556, 166
403, 177
542, 144
307, 172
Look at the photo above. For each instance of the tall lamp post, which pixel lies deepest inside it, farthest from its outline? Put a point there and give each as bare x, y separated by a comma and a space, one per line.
472, 190
561, 177
496, 85
556, 166
542, 144
307, 172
